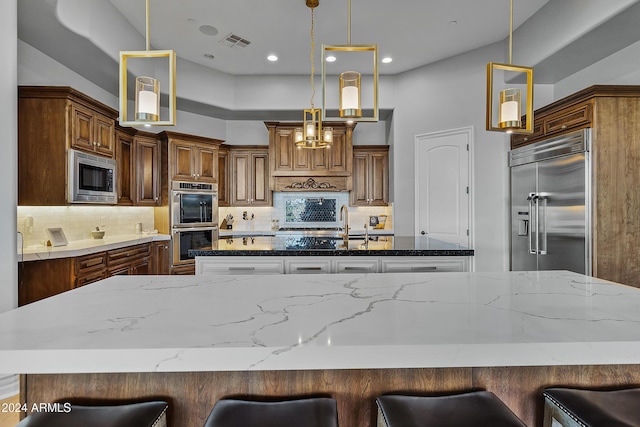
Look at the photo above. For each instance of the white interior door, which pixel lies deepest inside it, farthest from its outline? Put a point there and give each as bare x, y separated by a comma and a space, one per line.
443, 191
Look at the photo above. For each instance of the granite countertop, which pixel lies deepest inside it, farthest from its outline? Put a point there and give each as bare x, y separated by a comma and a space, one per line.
88, 246
306, 245
325, 321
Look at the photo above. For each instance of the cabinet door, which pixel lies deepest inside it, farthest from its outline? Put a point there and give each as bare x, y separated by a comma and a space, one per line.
260, 192
125, 162
283, 150
359, 192
224, 196
82, 128
241, 177
141, 267
207, 160
147, 172
378, 179
339, 155
104, 135
160, 261
183, 159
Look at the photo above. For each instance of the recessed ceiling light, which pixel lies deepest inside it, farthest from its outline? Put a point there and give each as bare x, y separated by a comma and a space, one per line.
272, 58
331, 59
452, 23
208, 30
208, 56
386, 59
191, 21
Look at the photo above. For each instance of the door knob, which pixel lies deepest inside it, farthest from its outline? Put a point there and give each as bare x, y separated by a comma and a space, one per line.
423, 232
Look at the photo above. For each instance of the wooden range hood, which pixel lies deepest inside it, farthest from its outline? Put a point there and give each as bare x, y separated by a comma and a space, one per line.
296, 169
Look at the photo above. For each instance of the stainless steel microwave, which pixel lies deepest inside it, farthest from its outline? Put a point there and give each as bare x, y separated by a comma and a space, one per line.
91, 179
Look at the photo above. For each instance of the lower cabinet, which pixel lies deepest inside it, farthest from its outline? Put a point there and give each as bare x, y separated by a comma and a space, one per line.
45, 278
228, 265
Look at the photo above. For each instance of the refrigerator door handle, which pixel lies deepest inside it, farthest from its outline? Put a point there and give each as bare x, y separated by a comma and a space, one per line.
543, 245
533, 200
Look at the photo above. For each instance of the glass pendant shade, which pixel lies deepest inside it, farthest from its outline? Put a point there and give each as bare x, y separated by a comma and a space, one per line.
350, 94
312, 134
147, 101
509, 116
298, 135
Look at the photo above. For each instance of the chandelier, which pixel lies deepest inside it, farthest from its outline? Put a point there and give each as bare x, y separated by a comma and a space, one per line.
312, 135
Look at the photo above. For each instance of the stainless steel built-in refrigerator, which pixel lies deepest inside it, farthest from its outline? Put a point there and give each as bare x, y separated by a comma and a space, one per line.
550, 204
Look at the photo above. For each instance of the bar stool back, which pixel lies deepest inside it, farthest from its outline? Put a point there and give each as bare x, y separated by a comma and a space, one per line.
472, 409
143, 414
311, 412
566, 407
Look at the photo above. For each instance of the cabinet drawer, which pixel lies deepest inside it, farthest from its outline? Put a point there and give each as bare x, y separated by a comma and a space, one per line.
520, 139
128, 254
90, 263
357, 266
209, 267
307, 267
568, 118
427, 266
85, 279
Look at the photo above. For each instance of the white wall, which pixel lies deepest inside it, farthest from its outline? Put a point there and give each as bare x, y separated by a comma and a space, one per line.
447, 95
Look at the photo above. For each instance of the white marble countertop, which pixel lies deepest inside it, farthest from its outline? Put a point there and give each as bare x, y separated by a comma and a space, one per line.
333, 321
88, 246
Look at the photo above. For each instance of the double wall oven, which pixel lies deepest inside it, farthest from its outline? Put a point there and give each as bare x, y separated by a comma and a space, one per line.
194, 218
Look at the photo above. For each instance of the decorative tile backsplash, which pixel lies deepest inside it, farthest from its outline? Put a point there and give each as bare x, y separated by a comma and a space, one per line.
307, 209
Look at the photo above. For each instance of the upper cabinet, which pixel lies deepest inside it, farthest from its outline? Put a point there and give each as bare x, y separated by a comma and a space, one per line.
52, 119
292, 167
125, 164
192, 158
224, 196
370, 175
250, 176
91, 131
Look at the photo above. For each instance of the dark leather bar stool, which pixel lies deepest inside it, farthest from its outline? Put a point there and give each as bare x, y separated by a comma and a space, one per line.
311, 412
144, 414
473, 409
567, 407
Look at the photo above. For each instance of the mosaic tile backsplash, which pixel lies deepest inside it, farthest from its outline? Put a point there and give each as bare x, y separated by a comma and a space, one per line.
307, 209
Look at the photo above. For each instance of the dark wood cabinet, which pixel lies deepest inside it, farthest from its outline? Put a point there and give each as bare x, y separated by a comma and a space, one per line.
250, 176
125, 157
224, 179
290, 167
147, 172
42, 279
51, 120
91, 131
370, 176
191, 158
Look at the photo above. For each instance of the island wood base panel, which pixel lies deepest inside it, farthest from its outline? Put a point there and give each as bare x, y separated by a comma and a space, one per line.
192, 394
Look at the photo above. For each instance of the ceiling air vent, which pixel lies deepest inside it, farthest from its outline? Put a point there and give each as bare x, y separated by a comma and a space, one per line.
232, 40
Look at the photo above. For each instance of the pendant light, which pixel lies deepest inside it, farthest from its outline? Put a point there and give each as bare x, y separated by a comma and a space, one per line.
350, 83
313, 135
508, 102
147, 88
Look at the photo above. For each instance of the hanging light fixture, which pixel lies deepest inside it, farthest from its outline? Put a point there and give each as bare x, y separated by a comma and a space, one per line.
147, 89
312, 135
508, 105
350, 81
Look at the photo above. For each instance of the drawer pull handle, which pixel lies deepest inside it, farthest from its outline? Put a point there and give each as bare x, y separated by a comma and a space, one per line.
308, 268
424, 268
242, 268
358, 268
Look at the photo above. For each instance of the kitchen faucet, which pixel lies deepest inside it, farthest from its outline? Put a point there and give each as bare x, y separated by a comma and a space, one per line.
345, 222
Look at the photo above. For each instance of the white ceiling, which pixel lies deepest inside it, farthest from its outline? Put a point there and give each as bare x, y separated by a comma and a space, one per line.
412, 32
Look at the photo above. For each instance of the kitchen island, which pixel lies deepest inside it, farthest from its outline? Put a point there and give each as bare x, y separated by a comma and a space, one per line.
330, 253
197, 339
